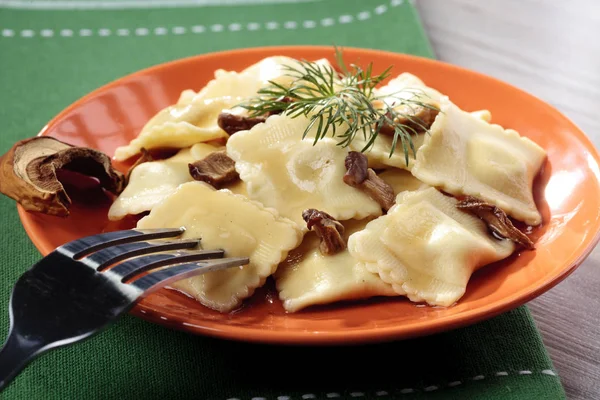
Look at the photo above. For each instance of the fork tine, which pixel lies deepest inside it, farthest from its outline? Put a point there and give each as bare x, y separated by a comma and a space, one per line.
130, 268
105, 257
81, 247
157, 279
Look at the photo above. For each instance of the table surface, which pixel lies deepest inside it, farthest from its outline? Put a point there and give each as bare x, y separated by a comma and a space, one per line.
549, 48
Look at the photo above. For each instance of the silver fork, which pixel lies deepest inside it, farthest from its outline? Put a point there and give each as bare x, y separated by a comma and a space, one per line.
81, 287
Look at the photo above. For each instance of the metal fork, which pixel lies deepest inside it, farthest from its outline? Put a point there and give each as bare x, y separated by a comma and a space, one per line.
72, 294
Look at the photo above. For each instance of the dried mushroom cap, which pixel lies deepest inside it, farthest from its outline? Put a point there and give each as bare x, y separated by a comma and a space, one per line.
28, 173
496, 219
216, 169
327, 228
360, 176
144, 157
416, 118
233, 123
357, 166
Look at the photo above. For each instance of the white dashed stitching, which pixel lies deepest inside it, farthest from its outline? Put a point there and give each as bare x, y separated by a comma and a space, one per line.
234, 27
141, 31
290, 25
160, 31
431, 388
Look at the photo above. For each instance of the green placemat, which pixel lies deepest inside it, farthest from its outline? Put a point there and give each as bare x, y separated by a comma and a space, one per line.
53, 52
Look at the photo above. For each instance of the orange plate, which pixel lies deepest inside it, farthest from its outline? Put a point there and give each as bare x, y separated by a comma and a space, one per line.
567, 193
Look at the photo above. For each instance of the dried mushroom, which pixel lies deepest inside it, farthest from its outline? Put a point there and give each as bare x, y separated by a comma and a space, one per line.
359, 175
144, 157
215, 169
232, 123
30, 171
327, 228
418, 118
496, 219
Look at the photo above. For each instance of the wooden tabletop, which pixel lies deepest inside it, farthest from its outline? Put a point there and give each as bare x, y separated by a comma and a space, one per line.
550, 48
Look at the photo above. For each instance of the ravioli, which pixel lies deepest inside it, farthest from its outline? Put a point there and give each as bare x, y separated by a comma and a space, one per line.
308, 278
239, 226
284, 171
151, 182
401, 180
193, 118
405, 86
179, 126
467, 156
426, 248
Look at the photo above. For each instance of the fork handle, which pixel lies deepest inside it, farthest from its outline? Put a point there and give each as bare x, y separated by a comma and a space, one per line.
16, 353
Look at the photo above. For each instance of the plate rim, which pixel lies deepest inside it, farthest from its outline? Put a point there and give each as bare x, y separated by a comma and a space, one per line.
358, 336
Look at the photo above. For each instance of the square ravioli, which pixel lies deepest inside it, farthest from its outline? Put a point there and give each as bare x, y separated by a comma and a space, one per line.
224, 220
465, 155
427, 248
291, 174
150, 182
401, 180
307, 277
404, 87
193, 118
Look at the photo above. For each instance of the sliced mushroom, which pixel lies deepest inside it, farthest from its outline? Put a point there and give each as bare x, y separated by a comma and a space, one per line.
327, 228
417, 118
232, 123
29, 173
145, 157
360, 176
497, 220
215, 169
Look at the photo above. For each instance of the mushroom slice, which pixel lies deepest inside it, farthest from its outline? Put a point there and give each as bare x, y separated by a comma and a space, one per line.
418, 119
360, 176
216, 169
327, 228
233, 123
497, 220
28, 173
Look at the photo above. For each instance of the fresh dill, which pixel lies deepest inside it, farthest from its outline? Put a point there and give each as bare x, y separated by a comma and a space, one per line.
346, 98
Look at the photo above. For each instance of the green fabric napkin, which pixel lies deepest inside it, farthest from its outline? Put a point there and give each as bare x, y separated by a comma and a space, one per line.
52, 52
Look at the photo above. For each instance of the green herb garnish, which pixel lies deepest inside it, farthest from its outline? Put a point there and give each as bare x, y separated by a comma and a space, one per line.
331, 99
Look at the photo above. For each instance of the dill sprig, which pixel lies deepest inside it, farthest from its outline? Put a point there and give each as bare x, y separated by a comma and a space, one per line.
331, 99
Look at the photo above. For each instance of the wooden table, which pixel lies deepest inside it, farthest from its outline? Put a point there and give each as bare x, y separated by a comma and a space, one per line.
550, 48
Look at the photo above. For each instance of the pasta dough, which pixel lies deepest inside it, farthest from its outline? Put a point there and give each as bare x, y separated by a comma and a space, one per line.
401, 180
404, 87
290, 174
426, 248
151, 182
467, 156
193, 118
308, 277
231, 222
179, 126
